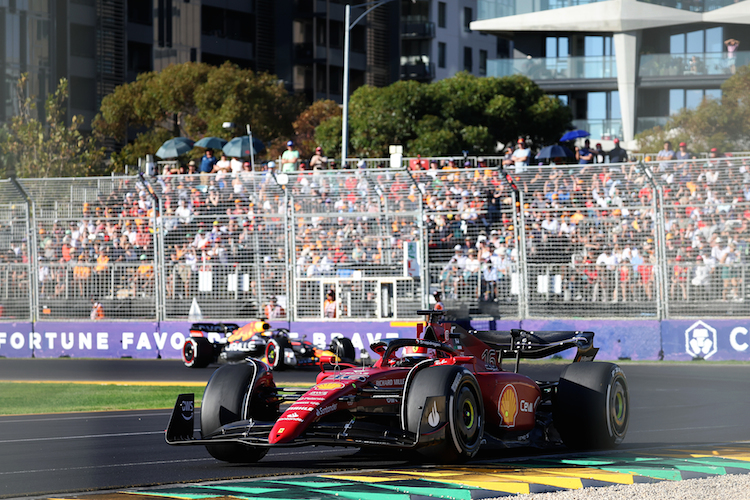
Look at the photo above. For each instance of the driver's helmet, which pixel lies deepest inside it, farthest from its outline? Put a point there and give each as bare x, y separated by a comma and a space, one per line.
416, 351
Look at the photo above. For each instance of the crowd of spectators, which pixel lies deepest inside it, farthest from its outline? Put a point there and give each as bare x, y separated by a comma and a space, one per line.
591, 227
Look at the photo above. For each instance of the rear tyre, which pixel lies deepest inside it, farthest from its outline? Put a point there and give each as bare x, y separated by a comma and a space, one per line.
224, 402
343, 348
197, 352
592, 407
275, 352
447, 397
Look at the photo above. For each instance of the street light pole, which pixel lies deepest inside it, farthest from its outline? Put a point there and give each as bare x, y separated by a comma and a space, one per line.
252, 148
347, 28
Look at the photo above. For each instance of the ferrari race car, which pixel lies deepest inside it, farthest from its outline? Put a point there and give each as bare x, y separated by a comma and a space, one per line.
229, 343
442, 394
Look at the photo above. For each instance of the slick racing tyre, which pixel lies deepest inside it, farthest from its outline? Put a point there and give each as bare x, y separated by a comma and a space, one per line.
443, 406
275, 352
592, 407
197, 352
223, 403
344, 349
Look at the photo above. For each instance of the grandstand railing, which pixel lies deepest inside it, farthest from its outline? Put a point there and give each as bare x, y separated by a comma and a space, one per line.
221, 247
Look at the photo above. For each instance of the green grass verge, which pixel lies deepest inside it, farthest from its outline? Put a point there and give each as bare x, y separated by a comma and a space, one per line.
19, 398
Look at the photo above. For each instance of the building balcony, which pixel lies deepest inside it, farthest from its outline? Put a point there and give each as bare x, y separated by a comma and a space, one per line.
417, 30
699, 64
418, 71
490, 9
555, 68
692, 5
604, 130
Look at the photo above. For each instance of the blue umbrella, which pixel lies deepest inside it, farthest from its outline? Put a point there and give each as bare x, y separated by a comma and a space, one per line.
574, 134
211, 143
175, 147
239, 147
554, 152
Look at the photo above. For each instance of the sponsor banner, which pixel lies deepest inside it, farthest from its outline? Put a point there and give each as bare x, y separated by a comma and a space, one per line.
102, 339
15, 340
616, 339
710, 339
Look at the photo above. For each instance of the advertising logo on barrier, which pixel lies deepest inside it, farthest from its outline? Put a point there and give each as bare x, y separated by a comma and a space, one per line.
700, 340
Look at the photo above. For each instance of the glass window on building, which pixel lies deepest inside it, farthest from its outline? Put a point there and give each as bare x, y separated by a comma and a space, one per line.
468, 18
597, 46
715, 40
468, 62
441, 54
557, 46
697, 42
441, 14
677, 44
482, 62
690, 98
694, 42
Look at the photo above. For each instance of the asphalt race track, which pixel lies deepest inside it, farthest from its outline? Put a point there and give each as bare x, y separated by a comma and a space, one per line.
674, 406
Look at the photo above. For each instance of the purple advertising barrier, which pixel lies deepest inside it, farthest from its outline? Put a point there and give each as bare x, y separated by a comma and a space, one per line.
616, 339
100, 339
710, 339
15, 339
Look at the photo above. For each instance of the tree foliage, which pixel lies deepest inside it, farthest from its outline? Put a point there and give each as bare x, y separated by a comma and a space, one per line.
308, 121
722, 124
462, 113
193, 100
51, 148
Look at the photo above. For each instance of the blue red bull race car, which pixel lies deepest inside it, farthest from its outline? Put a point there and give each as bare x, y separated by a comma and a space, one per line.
230, 343
442, 394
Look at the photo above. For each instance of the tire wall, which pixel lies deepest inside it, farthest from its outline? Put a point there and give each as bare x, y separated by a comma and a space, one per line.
680, 340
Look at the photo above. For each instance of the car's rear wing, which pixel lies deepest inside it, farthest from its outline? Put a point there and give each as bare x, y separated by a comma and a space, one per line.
517, 343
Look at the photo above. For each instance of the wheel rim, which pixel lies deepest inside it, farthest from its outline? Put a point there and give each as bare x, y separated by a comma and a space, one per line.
272, 353
188, 352
468, 418
618, 408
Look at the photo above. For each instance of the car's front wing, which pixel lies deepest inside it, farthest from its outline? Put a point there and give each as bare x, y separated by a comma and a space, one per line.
353, 432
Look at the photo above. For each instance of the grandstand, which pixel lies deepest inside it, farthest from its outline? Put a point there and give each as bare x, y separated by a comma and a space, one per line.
630, 240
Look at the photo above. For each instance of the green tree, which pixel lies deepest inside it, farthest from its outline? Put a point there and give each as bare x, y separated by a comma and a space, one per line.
308, 121
462, 113
194, 100
50, 148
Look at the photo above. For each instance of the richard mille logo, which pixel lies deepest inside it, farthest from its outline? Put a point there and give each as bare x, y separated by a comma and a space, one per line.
434, 417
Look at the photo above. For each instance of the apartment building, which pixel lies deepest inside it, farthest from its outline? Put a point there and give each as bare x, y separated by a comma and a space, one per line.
623, 66
99, 44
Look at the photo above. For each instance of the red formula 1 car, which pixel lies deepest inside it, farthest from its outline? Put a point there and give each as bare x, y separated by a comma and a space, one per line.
442, 394
229, 343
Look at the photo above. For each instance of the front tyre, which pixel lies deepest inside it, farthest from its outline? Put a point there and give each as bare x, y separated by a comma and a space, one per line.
443, 406
275, 349
592, 409
197, 352
225, 400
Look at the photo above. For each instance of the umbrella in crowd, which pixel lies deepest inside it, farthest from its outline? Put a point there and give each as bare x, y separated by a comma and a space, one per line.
554, 152
239, 147
175, 147
574, 134
211, 143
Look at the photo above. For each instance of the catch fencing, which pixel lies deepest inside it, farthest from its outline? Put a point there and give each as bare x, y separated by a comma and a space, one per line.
632, 240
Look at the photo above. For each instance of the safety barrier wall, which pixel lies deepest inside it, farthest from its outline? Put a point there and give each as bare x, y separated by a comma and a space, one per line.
658, 240
710, 339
